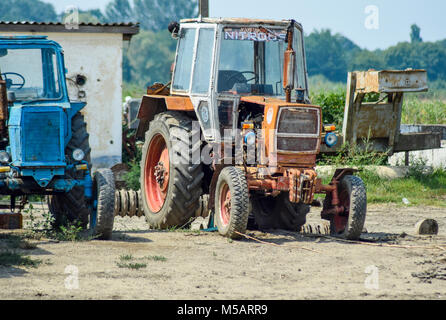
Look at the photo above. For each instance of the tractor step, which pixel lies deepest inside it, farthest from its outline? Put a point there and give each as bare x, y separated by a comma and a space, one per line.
11, 221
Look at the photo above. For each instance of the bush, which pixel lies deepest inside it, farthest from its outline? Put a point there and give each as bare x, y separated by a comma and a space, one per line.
132, 177
355, 156
332, 104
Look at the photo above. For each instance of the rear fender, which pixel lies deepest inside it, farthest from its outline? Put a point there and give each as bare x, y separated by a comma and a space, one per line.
342, 172
152, 105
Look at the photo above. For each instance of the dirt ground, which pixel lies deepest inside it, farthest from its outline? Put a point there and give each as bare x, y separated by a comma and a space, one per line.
392, 263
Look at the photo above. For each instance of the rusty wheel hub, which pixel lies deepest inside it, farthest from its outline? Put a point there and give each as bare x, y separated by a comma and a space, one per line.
160, 174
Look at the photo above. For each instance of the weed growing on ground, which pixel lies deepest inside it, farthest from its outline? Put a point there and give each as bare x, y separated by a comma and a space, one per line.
156, 258
130, 262
70, 231
10, 254
12, 258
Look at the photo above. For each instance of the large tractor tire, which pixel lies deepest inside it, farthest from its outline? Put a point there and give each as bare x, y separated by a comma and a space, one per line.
103, 214
231, 203
71, 207
279, 213
171, 177
353, 197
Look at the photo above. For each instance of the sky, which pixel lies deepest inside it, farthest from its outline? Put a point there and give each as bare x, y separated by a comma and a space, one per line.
371, 24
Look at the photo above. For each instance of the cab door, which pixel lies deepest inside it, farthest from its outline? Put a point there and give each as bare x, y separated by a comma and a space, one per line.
193, 75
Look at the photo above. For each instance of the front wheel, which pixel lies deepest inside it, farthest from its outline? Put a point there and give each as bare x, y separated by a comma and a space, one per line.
353, 197
102, 212
231, 203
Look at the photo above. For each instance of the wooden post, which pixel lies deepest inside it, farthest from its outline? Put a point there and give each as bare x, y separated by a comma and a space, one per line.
203, 6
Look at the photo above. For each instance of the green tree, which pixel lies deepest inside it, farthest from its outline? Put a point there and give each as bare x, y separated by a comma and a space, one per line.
119, 11
87, 16
364, 60
430, 56
157, 14
415, 34
149, 57
27, 10
327, 54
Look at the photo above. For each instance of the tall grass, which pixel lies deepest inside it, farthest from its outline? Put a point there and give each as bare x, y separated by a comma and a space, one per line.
423, 111
419, 188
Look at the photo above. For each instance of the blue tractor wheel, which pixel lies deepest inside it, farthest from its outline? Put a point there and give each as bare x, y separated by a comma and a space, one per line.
72, 207
103, 205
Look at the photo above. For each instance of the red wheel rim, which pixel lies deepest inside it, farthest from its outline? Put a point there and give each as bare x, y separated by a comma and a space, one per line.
225, 205
156, 173
341, 221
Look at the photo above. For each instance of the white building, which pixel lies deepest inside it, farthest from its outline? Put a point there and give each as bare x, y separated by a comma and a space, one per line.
93, 57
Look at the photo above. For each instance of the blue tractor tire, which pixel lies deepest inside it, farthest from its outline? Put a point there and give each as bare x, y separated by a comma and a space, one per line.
71, 207
103, 212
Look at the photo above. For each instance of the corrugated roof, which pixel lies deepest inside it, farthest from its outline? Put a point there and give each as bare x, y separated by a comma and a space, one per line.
114, 24
126, 28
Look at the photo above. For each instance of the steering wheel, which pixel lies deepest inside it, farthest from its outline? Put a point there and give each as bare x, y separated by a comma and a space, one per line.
256, 76
10, 83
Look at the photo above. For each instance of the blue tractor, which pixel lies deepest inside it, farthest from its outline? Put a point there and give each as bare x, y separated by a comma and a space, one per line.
44, 147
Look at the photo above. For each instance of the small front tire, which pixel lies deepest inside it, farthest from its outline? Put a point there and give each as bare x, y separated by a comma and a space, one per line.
353, 197
231, 203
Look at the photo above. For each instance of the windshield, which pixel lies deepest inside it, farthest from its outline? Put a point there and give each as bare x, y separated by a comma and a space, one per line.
32, 74
251, 61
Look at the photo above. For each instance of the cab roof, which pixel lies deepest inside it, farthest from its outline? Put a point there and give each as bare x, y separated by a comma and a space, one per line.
22, 37
280, 23
27, 41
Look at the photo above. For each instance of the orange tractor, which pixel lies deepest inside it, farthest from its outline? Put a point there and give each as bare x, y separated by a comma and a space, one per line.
236, 125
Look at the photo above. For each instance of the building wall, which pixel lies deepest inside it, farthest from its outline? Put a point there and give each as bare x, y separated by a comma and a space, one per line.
98, 57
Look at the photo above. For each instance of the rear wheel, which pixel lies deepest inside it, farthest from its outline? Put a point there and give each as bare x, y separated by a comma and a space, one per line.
231, 203
170, 179
353, 197
71, 207
279, 213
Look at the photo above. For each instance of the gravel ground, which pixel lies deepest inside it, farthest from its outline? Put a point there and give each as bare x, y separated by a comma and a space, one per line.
391, 263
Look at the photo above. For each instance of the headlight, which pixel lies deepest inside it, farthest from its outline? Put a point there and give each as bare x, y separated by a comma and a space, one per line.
331, 139
78, 155
4, 157
250, 138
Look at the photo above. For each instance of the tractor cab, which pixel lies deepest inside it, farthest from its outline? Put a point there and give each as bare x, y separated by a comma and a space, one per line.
32, 71
220, 61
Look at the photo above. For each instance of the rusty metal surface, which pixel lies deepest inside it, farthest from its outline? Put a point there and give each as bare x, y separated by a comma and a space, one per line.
379, 122
301, 183
128, 203
11, 221
3, 108
280, 23
374, 119
391, 81
418, 141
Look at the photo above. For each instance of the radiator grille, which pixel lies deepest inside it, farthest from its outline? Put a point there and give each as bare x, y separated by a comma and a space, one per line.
41, 134
299, 121
297, 144
298, 130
